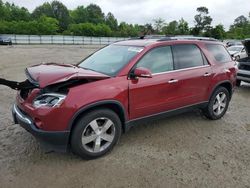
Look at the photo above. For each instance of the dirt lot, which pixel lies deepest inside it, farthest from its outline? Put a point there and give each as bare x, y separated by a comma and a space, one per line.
182, 151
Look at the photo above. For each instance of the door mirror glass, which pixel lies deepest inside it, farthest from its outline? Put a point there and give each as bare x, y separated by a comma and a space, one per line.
142, 72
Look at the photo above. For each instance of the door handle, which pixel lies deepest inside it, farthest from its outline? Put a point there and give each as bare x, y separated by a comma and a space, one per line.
173, 81
207, 74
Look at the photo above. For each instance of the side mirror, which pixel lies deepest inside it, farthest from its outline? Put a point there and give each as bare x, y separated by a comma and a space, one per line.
142, 72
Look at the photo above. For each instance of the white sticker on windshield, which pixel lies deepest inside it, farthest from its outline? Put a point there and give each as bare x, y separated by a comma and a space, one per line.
135, 49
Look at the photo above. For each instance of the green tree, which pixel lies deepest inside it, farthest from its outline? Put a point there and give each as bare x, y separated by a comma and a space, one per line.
111, 21
55, 10
240, 29
171, 28
240, 21
94, 14
47, 25
44, 9
218, 32
61, 13
202, 21
11, 12
159, 23
146, 29
103, 30
183, 28
79, 15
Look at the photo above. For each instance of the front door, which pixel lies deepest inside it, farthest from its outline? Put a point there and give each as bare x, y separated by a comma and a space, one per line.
149, 96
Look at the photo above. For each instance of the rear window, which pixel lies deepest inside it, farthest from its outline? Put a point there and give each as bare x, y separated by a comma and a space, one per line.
187, 56
219, 52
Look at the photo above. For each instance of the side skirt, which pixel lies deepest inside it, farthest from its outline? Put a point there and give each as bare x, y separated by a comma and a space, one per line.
163, 115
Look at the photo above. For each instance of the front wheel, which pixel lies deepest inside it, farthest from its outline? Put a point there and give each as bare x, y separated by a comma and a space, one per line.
218, 104
96, 133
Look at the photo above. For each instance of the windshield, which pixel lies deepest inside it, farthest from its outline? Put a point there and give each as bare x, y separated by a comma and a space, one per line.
235, 48
111, 59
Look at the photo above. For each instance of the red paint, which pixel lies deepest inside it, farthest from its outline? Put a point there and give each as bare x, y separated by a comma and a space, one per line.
139, 97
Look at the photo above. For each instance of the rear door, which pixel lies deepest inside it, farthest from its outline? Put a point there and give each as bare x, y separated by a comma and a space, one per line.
193, 73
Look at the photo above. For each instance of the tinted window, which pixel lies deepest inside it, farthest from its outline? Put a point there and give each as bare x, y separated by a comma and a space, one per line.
219, 52
158, 60
186, 56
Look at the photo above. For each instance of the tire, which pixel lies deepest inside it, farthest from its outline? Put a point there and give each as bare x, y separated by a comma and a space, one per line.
238, 83
216, 110
96, 133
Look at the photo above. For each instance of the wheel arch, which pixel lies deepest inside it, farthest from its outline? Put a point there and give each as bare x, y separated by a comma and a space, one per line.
226, 84
113, 105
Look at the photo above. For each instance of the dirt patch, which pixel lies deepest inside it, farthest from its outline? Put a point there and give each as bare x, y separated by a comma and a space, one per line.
182, 151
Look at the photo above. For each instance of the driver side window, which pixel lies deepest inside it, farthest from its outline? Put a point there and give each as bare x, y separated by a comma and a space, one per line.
158, 60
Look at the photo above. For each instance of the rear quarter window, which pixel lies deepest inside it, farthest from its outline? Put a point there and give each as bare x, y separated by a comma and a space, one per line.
219, 52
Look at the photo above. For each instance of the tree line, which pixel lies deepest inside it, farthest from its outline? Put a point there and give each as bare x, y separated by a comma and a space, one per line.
55, 18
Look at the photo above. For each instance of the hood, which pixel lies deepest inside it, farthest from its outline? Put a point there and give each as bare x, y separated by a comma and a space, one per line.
246, 43
51, 73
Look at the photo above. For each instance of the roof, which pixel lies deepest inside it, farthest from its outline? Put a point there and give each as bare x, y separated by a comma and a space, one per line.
159, 39
137, 42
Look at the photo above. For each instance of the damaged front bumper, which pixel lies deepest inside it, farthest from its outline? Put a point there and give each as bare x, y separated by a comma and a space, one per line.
51, 140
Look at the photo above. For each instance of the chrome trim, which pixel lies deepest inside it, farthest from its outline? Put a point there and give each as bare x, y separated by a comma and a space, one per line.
207, 74
191, 68
21, 115
173, 81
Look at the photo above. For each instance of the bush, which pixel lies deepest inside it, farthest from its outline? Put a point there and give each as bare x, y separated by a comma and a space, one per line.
89, 29
44, 25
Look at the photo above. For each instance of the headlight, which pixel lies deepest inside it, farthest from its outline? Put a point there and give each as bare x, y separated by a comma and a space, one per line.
49, 100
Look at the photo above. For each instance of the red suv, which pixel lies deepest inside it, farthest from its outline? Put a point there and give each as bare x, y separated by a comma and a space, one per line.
86, 107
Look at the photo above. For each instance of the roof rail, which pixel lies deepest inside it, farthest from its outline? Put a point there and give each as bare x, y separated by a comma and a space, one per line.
173, 37
187, 38
148, 37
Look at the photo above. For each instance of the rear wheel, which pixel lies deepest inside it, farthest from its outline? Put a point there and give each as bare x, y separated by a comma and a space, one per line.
96, 133
218, 104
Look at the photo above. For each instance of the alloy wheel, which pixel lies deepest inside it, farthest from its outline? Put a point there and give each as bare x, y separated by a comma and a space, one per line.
98, 135
220, 103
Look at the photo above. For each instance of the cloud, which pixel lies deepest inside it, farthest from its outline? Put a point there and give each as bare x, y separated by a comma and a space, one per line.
144, 11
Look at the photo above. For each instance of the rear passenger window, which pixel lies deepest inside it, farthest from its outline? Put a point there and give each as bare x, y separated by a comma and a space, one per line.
158, 60
219, 52
187, 56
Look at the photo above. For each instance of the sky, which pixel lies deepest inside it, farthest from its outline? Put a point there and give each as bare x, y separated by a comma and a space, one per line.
144, 11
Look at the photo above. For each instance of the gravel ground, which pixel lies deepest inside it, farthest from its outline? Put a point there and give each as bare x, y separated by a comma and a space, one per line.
182, 151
